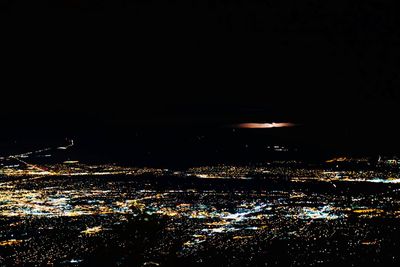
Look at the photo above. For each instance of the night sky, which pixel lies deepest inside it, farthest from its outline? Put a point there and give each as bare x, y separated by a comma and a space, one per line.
163, 83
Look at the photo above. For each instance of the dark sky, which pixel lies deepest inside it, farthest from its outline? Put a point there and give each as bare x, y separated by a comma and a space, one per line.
176, 71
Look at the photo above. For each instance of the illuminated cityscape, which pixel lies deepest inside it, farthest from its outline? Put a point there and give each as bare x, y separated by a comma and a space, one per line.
280, 212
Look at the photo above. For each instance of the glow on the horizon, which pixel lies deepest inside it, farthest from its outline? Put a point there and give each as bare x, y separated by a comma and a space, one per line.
267, 125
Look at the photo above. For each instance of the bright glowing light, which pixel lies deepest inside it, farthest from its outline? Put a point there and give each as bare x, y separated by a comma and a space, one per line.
315, 213
10, 242
254, 125
93, 230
